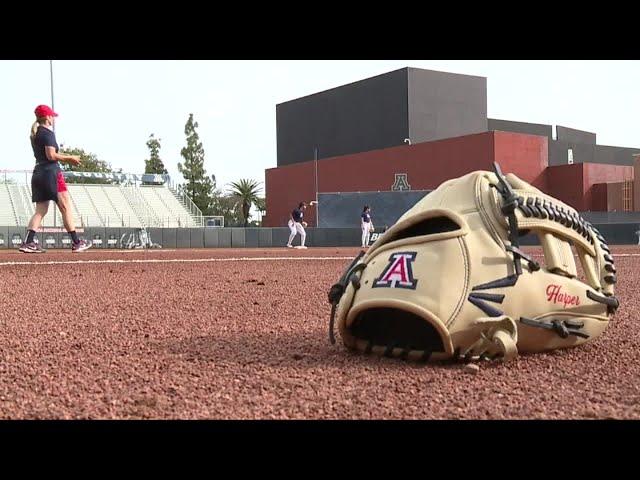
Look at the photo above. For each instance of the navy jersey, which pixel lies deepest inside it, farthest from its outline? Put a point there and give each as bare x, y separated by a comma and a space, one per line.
297, 215
366, 218
44, 138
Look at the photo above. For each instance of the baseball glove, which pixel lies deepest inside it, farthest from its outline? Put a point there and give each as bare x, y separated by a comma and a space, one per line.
304, 224
449, 281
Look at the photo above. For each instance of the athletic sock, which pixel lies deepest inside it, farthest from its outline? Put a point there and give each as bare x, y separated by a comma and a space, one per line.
74, 237
30, 236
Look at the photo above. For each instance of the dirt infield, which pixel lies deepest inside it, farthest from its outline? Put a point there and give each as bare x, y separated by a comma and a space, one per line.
243, 334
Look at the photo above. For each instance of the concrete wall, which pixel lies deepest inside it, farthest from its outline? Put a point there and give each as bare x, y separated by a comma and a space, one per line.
380, 112
617, 227
366, 115
574, 184
445, 105
599, 197
494, 124
523, 155
590, 153
599, 173
636, 182
426, 165
575, 136
343, 210
615, 199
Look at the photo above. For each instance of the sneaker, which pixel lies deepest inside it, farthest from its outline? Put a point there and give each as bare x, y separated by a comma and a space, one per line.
32, 247
289, 246
81, 246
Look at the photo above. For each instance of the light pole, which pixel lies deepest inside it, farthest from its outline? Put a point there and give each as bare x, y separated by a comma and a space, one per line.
51, 77
54, 126
315, 156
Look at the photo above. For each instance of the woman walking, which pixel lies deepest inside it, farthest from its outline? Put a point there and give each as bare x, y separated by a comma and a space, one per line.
47, 181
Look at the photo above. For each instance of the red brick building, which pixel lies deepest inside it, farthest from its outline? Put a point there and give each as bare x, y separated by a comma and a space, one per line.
571, 167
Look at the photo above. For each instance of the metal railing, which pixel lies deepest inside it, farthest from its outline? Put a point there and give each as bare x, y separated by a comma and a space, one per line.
23, 210
185, 200
129, 221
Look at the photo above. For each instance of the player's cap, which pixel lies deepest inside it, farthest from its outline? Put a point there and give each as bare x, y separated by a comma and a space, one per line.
44, 111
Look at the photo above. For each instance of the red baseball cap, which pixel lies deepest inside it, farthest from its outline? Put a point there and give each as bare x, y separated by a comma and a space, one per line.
44, 111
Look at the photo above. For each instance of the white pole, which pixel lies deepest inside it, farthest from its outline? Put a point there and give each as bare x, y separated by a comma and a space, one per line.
315, 156
51, 77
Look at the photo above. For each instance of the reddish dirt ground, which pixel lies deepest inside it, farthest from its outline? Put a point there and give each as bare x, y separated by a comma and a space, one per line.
248, 339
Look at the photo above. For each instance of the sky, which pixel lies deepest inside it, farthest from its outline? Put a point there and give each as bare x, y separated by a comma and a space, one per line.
110, 107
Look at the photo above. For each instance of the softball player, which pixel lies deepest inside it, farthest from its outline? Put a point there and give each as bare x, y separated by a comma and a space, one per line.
47, 181
367, 225
296, 225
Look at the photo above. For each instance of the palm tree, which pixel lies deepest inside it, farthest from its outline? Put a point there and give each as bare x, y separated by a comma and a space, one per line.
246, 192
261, 206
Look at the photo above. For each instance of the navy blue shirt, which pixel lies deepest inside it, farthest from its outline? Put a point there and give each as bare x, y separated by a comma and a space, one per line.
297, 215
366, 218
44, 138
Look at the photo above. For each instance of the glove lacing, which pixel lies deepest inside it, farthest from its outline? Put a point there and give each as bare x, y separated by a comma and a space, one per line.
498, 338
338, 289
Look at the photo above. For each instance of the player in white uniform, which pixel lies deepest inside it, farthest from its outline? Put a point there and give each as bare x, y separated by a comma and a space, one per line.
297, 224
367, 225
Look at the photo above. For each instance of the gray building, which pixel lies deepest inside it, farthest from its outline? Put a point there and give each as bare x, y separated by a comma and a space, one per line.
416, 104
569, 145
380, 112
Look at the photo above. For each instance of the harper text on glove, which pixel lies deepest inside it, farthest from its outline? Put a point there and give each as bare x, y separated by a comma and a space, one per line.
556, 296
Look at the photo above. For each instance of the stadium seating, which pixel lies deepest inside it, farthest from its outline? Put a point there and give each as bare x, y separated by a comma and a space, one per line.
102, 206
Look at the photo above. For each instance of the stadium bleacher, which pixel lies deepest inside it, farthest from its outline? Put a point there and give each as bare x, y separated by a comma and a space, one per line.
97, 205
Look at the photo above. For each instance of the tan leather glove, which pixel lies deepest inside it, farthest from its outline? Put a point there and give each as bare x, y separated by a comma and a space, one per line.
449, 280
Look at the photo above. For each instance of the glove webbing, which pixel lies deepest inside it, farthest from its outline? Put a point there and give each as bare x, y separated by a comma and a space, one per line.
337, 290
542, 208
509, 210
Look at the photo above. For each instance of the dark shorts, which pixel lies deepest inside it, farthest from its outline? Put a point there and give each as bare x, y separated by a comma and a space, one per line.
46, 183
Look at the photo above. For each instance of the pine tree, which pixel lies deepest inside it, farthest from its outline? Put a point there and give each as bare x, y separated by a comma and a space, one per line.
154, 163
199, 187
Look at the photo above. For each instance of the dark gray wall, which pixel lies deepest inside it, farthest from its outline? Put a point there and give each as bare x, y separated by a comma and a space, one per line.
361, 116
520, 127
619, 233
575, 136
619, 230
585, 153
4, 237
445, 105
615, 155
612, 217
380, 112
558, 153
343, 210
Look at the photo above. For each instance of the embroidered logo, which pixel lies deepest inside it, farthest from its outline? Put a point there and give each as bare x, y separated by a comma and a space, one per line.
398, 273
555, 295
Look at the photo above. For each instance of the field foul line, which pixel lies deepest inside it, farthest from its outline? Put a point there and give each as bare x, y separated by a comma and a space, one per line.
173, 260
211, 260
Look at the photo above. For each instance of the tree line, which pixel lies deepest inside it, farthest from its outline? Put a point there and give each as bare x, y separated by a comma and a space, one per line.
233, 203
